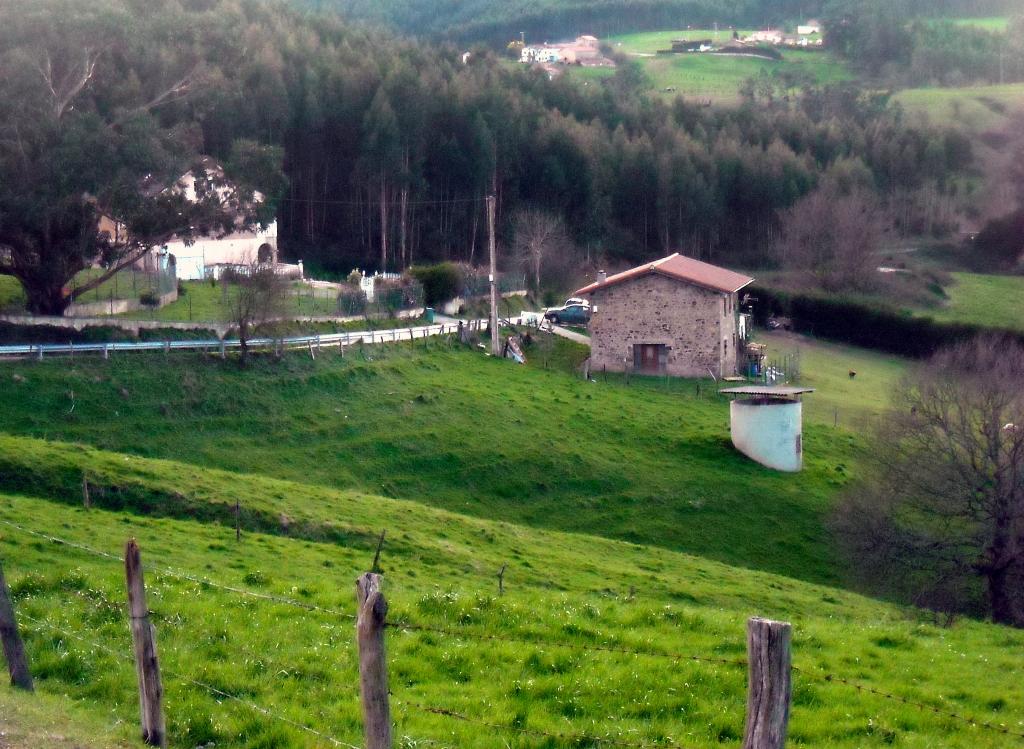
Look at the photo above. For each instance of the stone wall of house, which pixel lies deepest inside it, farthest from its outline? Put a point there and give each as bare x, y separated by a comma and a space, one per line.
697, 325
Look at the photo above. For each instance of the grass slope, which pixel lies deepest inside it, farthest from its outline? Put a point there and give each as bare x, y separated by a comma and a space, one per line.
47, 721
994, 301
440, 568
839, 399
649, 463
975, 108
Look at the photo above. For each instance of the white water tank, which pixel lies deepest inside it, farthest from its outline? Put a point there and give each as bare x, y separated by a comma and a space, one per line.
766, 424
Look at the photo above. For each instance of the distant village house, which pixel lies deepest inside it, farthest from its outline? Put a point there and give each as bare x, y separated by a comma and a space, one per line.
585, 50
676, 316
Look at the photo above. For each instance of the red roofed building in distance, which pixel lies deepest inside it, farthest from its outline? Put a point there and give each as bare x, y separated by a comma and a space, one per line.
675, 316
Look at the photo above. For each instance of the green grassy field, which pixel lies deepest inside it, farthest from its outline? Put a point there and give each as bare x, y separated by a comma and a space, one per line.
975, 108
716, 77
464, 432
839, 399
990, 23
993, 301
48, 721
563, 593
469, 463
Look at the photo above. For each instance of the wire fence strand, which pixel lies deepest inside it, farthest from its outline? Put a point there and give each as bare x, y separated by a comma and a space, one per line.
284, 600
194, 682
463, 635
408, 626
830, 678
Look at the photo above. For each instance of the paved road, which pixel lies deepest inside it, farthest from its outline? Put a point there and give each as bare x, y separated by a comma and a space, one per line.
572, 335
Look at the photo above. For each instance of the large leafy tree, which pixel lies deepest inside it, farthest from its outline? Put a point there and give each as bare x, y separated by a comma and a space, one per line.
109, 96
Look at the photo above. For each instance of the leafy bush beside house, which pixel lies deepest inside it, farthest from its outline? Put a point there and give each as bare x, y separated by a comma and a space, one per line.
441, 282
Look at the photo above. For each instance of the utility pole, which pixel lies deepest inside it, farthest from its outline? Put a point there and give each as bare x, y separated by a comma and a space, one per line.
495, 345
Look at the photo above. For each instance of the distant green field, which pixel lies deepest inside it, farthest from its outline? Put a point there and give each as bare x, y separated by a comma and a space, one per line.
717, 77
649, 42
976, 108
839, 399
994, 301
991, 23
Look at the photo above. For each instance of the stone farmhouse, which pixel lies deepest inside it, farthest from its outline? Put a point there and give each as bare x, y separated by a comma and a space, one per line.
676, 316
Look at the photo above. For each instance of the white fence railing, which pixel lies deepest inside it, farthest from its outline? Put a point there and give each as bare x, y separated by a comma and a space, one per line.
213, 345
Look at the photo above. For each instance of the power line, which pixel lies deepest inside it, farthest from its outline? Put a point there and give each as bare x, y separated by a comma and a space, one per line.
375, 203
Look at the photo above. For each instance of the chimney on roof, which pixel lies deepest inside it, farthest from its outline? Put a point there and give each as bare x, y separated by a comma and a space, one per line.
602, 276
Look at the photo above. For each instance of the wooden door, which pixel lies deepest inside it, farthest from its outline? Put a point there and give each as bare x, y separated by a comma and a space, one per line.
649, 357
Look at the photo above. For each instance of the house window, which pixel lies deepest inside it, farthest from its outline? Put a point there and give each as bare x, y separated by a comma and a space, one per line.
650, 358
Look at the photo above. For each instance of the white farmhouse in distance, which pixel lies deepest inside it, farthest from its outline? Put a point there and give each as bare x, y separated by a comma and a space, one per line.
809, 28
207, 255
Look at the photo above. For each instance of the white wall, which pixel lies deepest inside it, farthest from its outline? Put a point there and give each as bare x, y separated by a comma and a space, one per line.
769, 431
234, 249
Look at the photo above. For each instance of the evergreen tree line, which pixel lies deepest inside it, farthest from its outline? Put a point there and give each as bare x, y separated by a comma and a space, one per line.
550, 20
386, 148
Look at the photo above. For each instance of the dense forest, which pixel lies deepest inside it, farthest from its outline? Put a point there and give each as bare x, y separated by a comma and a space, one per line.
497, 22
385, 147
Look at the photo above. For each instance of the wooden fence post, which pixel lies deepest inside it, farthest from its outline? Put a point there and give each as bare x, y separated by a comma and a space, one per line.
147, 665
373, 667
769, 684
14, 648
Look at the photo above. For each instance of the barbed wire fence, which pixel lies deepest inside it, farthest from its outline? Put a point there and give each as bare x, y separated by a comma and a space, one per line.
768, 664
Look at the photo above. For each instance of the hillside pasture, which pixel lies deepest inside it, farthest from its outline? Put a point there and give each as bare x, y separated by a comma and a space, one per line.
988, 23
461, 431
974, 108
718, 77
261, 644
983, 299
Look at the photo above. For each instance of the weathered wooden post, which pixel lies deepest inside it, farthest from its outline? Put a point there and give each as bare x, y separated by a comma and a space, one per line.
501, 580
769, 684
86, 500
14, 648
238, 520
147, 665
373, 668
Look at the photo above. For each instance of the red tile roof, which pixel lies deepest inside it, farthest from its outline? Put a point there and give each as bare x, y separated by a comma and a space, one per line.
680, 268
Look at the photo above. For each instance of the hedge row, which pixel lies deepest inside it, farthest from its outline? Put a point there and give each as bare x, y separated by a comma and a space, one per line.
11, 333
884, 329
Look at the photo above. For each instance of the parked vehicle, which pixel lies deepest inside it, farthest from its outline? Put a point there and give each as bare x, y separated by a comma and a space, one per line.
571, 314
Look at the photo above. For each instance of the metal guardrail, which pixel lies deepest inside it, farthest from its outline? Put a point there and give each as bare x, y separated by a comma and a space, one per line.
214, 345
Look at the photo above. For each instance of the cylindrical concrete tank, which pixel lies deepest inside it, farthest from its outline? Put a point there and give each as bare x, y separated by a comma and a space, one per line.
769, 430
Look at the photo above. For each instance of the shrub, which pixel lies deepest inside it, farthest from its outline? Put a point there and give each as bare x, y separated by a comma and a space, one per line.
149, 299
351, 302
441, 282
